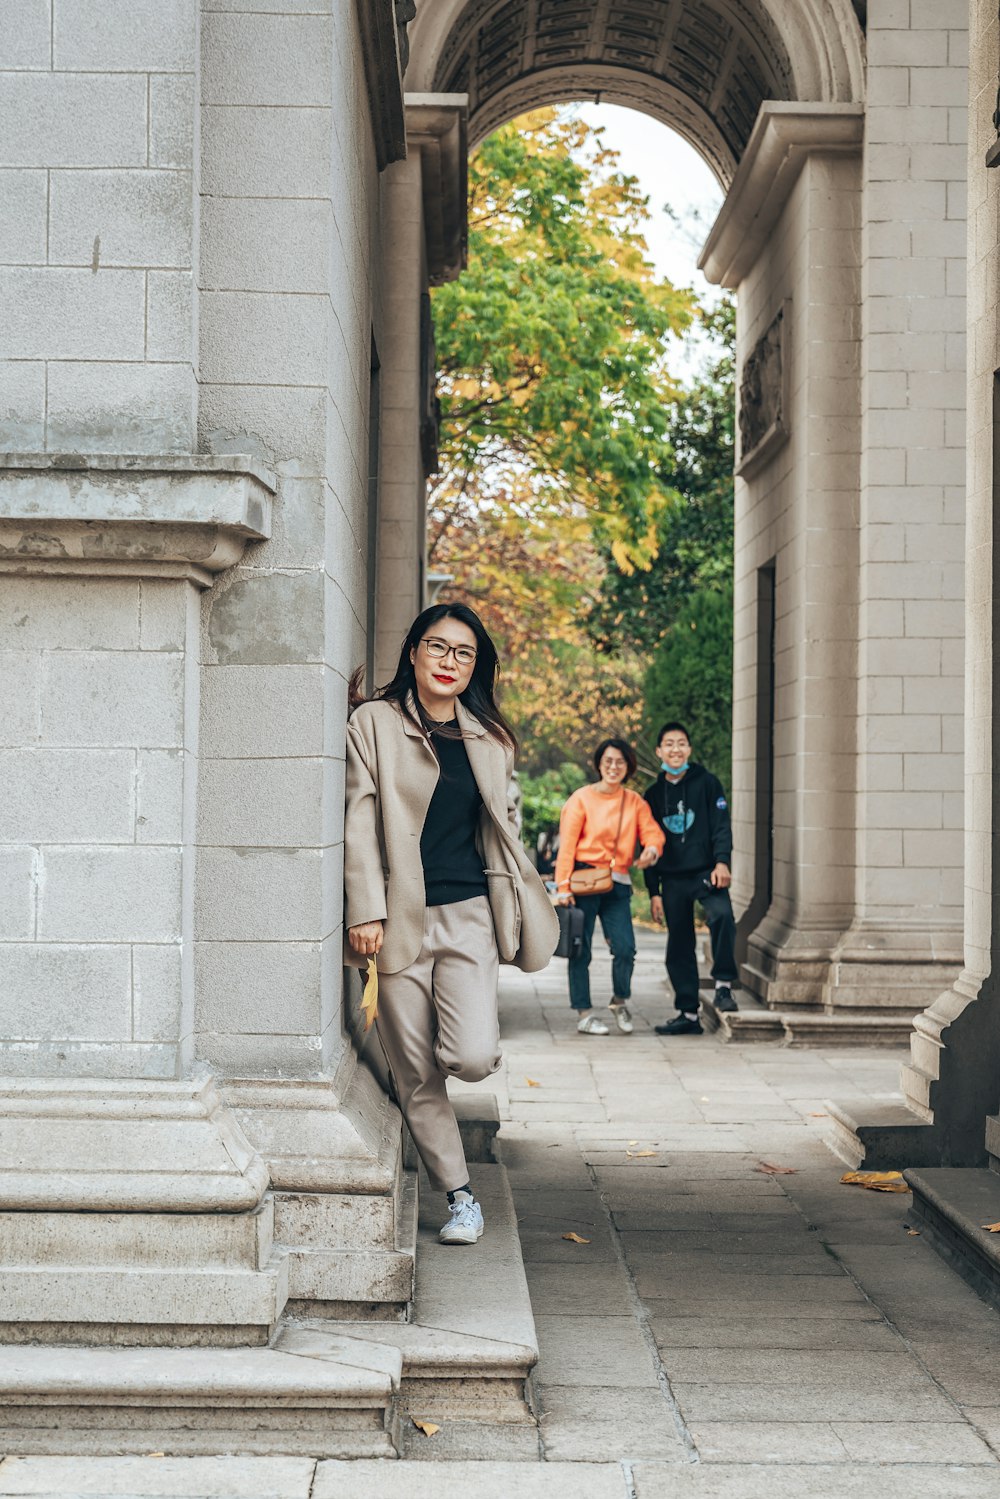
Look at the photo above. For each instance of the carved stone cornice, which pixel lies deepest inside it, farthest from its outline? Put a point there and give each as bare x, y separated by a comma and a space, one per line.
782, 139
177, 515
385, 52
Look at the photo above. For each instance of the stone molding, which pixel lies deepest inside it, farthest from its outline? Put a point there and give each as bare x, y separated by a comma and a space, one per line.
187, 516
98, 1145
383, 27
782, 139
437, 124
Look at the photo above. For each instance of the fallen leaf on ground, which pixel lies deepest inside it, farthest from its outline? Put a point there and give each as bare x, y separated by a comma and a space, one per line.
818, 1114
636, 1155
767, 1168
532, 1083
427, 1427
156, 1454
876, 1181
992, 1228
633, 1142
914, 1233
575, 1239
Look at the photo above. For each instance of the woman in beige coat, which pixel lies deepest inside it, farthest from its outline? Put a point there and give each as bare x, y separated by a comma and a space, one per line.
437, 883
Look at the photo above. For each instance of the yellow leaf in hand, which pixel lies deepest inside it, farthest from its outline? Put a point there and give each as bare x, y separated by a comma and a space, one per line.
369, 999
532, 1083
427, 1427
876, 1181
575, 1239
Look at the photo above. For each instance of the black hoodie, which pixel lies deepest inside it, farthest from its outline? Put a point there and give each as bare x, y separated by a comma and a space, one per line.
694, 814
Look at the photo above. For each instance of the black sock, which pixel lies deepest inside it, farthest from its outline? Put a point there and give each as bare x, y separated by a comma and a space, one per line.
466, 1188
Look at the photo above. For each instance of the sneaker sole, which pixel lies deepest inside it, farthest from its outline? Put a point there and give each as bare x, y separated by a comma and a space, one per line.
464, 1239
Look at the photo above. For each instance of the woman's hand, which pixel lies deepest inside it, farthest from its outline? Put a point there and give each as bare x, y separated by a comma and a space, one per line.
721, 877
366, 939
566, 899
648, 857
656, 909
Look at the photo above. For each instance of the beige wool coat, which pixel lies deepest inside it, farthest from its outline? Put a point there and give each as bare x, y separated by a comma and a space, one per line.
391, 775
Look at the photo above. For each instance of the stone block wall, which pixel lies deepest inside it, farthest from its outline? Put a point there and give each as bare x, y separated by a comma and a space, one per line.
913, 479
99, 718
97, 248
288, 304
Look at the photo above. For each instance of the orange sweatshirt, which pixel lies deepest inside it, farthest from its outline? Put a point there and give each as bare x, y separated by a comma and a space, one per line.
587, 831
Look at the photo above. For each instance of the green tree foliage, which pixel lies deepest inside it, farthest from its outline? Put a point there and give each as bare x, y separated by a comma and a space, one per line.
552, 347
691, 678
543, 797
695, 529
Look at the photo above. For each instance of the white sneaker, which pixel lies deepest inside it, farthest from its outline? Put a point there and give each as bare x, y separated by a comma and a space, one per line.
591, 1026
623, 1019
465, 1223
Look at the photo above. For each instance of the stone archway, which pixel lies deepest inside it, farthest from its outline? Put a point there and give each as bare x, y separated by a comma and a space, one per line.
855, 938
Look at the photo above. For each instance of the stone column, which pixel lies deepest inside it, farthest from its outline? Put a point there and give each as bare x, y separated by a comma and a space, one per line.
106, 1121
424, 241
952, 1082
787, 238
905, 942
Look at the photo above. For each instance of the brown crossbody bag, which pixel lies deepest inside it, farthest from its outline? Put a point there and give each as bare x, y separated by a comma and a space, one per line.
597, 880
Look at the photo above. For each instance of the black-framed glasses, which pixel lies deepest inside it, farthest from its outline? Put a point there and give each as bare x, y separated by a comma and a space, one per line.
464, 655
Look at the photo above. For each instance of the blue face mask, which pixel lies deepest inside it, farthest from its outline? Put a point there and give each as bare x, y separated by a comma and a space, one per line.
674, 770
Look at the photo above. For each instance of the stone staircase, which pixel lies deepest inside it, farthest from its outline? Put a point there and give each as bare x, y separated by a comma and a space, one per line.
369, 1337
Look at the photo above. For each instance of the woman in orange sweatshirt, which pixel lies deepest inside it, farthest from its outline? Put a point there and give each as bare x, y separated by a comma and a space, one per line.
599, 828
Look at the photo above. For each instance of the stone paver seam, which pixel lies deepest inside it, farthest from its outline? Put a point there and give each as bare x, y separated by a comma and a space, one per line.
642, 1319
846, 1270
631, 1490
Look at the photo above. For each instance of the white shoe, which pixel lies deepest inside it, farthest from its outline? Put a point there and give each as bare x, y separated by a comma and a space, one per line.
591, 1026
465, 1223
623, 1019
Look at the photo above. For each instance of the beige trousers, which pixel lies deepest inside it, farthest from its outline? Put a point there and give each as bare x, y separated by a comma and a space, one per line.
437, 1019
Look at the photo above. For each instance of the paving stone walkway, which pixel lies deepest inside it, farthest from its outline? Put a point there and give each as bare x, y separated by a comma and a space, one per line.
724, 1331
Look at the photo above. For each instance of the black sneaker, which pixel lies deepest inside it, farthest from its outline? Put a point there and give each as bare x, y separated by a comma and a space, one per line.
724, 999
681, 1025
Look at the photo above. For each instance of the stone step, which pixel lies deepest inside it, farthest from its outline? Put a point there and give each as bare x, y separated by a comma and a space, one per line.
846, 1027
751, 1022
470, 1345
885, 1137
362, 1281
340, 1401
951, 1204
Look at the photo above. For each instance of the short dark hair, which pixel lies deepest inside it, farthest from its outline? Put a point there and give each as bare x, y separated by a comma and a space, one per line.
625, 750
673, 728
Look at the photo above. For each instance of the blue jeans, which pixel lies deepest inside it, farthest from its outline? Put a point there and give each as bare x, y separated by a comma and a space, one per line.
615, 910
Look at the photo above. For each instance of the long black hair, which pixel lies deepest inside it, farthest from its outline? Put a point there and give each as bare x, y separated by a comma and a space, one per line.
480, 695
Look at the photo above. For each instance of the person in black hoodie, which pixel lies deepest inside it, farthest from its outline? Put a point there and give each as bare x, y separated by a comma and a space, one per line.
690, 804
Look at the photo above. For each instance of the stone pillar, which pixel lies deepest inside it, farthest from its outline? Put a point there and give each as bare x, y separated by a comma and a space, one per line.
106, 1121
424, 240
787, 238
905, 942
952, 1082
290, 309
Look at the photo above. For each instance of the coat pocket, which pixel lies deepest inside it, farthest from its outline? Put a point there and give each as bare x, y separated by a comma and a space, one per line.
506, 908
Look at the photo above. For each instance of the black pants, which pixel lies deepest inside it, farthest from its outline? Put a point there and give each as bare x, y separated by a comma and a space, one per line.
679, 896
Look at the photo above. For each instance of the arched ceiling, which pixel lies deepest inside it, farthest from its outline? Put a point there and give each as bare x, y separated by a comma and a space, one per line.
701, 66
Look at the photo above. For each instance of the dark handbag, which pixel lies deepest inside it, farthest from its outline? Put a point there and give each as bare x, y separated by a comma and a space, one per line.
570, 931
